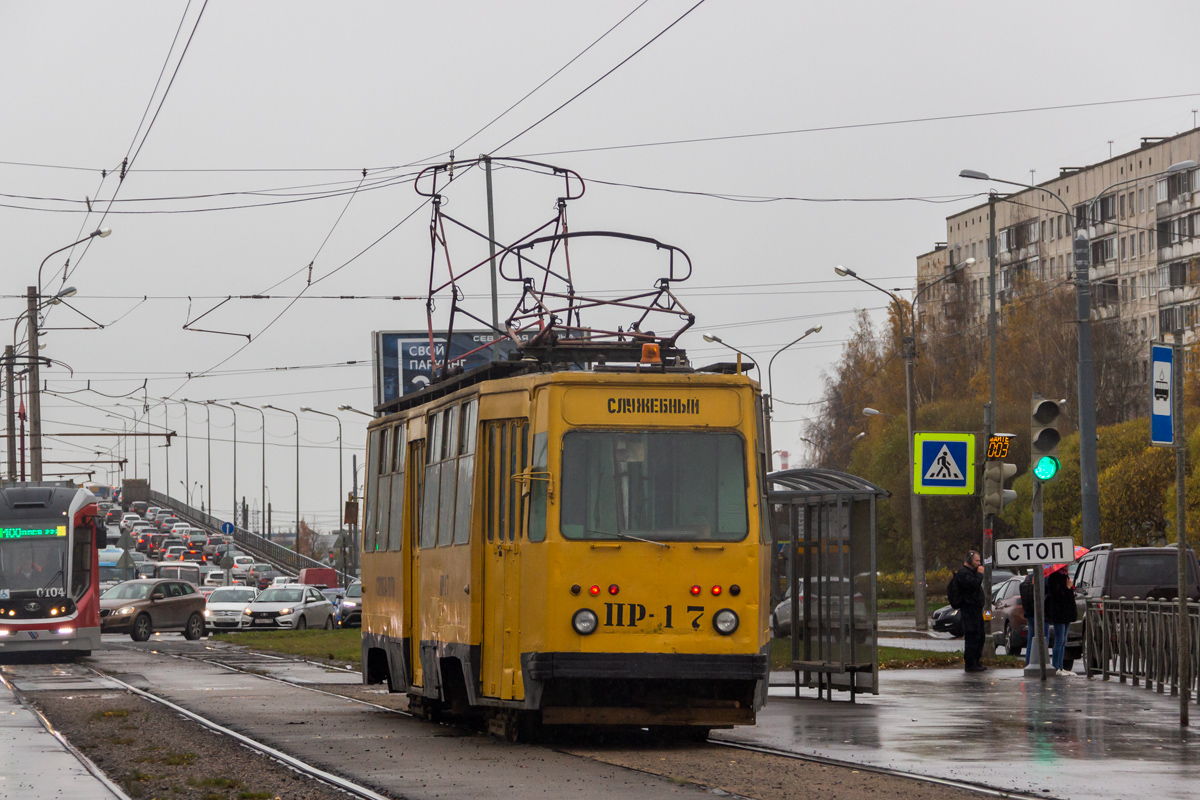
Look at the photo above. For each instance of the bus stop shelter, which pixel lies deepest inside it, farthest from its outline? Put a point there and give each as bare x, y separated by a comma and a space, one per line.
824, 527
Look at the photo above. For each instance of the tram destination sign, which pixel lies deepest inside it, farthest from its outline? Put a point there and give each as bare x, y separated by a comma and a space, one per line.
1030, 552
31, 531
403, 360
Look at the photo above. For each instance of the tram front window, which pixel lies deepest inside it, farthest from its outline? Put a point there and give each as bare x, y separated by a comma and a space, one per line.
33, 556
669, 485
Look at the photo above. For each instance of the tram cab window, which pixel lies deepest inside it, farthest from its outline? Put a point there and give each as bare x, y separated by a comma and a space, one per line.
466, 472
538, 488
81, 559
662, 485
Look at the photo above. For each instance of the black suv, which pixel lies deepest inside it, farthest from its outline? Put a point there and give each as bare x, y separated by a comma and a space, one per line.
1148, 573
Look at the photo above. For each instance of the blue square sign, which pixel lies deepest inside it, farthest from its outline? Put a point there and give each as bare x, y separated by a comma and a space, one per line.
1162, 387
945, 463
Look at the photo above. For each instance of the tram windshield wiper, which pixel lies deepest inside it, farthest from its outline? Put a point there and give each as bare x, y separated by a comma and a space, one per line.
634, 538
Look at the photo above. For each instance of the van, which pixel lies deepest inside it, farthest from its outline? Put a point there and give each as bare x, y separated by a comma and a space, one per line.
179, 572
318, 576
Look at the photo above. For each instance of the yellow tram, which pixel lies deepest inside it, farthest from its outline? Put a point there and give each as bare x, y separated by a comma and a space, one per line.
581, 546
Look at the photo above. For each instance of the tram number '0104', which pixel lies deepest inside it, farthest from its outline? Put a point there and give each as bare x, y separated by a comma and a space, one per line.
629, 615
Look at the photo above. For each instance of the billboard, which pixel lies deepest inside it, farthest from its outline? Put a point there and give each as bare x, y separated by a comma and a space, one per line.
404, 363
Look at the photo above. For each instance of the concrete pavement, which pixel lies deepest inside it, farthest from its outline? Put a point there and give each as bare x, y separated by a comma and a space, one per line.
35, 764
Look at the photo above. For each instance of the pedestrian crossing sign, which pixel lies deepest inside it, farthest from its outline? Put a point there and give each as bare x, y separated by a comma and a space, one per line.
944, 463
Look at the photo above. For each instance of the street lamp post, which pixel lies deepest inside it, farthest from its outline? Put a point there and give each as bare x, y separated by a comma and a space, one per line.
263, 496
35, 399
335, 417
1085, 369
356, 411
208, 446
235, 494
187, 451
297, 418
909, 346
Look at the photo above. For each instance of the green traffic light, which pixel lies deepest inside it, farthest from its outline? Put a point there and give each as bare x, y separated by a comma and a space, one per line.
1046, 468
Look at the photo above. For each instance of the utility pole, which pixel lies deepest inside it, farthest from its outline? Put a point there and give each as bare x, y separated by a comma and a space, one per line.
1037, 657
1090, 493
918, 521
10, 411
990, 418
487, 171
35, 400
1183, 627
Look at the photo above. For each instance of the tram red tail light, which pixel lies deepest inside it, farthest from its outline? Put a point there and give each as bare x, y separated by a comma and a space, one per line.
695, 590
594, 590
716, 590
613, 588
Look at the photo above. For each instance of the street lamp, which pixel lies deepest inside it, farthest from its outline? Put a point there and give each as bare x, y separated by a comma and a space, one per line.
208, 448
871, 412
187, 449
338, 507
771, 363
33, 295
235, 494
909, 346
356, 411
263, 496
1086, 376
296, 417
708, 337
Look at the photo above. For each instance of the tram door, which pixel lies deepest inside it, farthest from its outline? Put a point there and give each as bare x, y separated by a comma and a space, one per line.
504, 528
412, 582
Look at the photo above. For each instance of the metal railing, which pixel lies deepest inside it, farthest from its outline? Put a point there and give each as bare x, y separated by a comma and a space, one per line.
282, 557
1137, 641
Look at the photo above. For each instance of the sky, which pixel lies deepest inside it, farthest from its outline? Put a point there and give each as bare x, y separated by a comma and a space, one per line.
245, 129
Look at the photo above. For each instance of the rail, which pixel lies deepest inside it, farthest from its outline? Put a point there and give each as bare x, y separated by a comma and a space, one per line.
1136, 640
274, 552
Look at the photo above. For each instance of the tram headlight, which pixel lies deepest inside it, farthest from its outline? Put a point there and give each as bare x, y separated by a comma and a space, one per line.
725, 621
585, 621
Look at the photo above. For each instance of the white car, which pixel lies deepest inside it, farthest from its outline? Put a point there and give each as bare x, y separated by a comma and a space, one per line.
289, 607
215, 577
282, 580
127, 521
225, 605
242, 566
175, 553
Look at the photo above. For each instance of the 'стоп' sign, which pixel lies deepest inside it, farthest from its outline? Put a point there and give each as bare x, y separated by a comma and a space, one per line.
1027, 552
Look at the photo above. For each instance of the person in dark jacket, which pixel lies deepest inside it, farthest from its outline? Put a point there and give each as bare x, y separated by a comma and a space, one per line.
969, 591
1027, 607
1060, 613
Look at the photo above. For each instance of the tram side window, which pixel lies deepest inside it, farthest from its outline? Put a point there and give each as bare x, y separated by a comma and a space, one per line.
445, 530
81, 560
491, 492
381, 512
538, 487
429, 500
368, 539
466, 472
764, 467
396, 519
416, 474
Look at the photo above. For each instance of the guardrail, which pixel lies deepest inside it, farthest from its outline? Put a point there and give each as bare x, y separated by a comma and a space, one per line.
276, 553
1137, 640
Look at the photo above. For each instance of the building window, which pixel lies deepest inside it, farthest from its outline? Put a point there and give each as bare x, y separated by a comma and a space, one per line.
1143, 328
1142, 243
1161, 189
973, 249
1124, 254
1122, 206
1043, 230
1141, 200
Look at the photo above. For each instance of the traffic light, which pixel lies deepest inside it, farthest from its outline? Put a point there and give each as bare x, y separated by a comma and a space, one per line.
995, 496
1044, 438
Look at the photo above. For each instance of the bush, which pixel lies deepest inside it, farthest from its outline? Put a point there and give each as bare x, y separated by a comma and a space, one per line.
899, 585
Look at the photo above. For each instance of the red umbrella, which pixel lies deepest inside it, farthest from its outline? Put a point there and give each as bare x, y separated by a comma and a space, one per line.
1080, 552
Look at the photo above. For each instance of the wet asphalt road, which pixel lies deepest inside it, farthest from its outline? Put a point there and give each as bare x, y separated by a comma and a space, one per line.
1069, 737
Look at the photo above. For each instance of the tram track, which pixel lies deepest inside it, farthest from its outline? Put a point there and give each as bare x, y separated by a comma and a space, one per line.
949, 783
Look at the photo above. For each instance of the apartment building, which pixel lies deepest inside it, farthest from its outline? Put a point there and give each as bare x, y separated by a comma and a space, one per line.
1144, 232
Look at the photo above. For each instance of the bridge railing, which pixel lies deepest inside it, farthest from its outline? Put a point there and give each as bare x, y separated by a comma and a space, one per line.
1137, 640
277, 554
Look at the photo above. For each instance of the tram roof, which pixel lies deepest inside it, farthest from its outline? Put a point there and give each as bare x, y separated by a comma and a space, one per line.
815, 484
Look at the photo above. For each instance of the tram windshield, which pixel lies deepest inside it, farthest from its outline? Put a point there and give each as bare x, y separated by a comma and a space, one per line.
33, 555
668, 485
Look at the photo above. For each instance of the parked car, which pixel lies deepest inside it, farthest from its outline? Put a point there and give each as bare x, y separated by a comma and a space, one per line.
143, 607
1008, 626
318, 576
781, 616
1150, 573
225, 606
289, 607
349, 610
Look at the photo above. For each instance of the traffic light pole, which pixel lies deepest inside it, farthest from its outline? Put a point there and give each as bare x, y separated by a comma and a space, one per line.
989, 520
1183, 628
1037, 656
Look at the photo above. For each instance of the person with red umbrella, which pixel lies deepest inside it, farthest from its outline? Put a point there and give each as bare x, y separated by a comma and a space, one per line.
1060, 609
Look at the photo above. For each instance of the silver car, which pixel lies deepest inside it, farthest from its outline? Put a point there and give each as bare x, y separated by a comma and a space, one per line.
292, 607
225, 605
